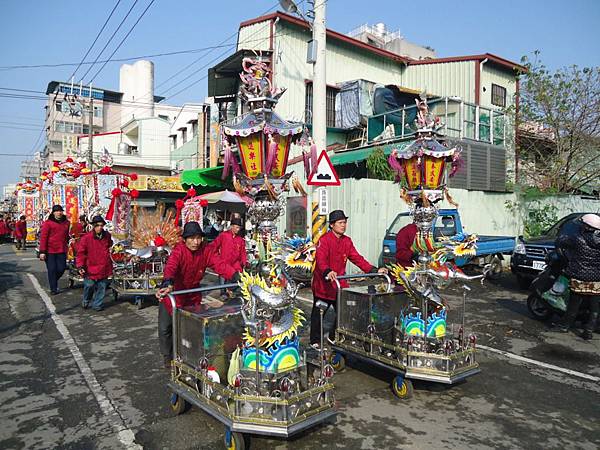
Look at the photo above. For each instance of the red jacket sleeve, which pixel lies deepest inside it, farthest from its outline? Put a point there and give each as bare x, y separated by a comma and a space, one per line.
82, 251
357, 259
404, 242
172, 265
44, 237
216, 262
322, 264
216, 244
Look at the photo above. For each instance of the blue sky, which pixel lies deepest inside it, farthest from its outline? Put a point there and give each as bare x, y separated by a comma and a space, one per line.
60, 31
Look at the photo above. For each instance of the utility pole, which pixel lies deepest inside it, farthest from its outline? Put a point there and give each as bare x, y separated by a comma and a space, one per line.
90, 154
319, 106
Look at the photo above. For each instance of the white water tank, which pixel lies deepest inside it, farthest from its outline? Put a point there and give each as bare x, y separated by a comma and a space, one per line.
136, 82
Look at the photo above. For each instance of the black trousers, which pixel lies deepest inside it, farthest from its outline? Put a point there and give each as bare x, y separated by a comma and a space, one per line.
574, 305
56, 264
165, 331
315, 321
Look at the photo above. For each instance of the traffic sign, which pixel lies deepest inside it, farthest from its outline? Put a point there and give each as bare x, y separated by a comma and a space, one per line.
325, 175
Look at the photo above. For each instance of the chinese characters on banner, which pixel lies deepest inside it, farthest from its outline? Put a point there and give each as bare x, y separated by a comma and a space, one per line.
283, 148
71, 203
434, 167
251, 151
413, 173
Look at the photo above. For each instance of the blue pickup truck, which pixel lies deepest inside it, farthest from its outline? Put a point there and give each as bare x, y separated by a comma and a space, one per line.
490, 249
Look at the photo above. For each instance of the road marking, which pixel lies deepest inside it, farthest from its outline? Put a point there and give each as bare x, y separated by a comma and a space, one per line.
125, 435
574, 373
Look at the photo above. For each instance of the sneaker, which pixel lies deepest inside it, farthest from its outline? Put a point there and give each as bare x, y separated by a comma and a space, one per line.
98, 309
85, 305
587, 335
54, 292
558, 328
316, 346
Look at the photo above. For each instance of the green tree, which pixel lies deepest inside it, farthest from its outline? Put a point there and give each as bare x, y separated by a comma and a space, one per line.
559, 127
378, 167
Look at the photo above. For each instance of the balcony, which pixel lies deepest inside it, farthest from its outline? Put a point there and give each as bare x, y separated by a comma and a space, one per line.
463, 121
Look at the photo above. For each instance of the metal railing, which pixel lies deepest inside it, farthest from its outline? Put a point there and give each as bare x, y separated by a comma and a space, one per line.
462, 120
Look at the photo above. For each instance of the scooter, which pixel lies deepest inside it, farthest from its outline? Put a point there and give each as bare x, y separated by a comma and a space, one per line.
550, 289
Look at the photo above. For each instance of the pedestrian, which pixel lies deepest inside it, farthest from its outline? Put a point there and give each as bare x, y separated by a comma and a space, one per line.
231, 247
21, 233
54, 239
334, 249
404, 242
184, 270
94, 264
582, 251
4, 230
80, 228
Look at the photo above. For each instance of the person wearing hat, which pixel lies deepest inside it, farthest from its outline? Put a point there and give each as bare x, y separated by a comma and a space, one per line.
231, 247
79, 229
184, 270
21, 233
582, 251
334, 250
54, 240
94, 264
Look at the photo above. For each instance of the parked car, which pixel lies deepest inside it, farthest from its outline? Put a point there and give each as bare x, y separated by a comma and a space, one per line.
490, 249
528, 259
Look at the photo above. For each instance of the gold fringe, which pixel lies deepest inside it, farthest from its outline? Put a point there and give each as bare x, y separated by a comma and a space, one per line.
270, 189
238, 186
298, 187
424, 199
449, 198
404, 196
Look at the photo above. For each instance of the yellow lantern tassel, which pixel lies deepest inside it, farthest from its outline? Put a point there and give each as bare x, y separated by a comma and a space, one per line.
449, 198
238, 186
298, 187
424, 199
404, 196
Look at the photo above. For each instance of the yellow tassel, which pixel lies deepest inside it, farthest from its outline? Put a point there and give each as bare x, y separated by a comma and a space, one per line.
270, 189
424, 199
238, 186
298, 187
404, 196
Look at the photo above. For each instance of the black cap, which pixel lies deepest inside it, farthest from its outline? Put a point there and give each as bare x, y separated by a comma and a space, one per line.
192, 229
336, 215
236, 221
98, 219
57, 208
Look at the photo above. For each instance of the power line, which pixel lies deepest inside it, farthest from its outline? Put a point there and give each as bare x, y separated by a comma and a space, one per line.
110, 40
124, 39
96, 39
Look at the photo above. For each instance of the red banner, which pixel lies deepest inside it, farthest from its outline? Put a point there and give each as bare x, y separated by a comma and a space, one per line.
71, 203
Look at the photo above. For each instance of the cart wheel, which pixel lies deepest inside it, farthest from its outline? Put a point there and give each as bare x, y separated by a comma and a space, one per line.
178, 404
71, 283
338, 362
139, 303
235, 441
538, 308
402, 388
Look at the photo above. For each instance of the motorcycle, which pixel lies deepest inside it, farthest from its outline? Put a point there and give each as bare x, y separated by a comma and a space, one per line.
550, 289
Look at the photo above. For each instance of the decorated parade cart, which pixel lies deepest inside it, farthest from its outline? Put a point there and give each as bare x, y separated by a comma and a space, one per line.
28, 205
242, 363
405, 330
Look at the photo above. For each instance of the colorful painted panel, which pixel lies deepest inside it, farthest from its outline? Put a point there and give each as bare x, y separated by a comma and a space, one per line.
251, 151
413, 324
281, 159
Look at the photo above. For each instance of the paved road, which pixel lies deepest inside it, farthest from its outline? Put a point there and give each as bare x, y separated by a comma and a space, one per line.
73, 378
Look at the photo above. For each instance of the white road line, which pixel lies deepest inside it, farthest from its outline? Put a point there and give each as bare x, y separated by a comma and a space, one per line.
574, 373
125, 435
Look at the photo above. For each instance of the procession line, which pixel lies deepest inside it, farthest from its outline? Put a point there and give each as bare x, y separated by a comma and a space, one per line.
124, 434
574, 373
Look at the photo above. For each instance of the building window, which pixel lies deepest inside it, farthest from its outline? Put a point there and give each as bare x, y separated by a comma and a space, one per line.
98, 110
330, 104
160, 116
194, 128
498, 96
183, 135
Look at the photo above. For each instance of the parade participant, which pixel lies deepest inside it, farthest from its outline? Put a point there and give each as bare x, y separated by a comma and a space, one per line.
21, 233
231, 247
94, 264
184, 270
582, 250
54, 239
334, 249
80, 228
404, 242
4, 231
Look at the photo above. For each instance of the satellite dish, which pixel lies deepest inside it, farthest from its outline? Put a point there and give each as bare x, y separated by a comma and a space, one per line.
289, 6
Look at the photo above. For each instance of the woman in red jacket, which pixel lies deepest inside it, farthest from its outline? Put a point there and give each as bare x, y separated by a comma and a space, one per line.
94, 264
334, 249
54, 239
21, 233
184, 270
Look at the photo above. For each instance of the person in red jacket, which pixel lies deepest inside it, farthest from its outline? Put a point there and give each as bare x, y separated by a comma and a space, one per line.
184, 270
404, 241
54, 239
231, 247
80, 228
94, 264
4, 230
21, 233
334, 249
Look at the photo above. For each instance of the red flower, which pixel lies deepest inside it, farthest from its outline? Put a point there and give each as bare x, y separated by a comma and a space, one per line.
191, 192
76, 173
116, 192
69, 160
134, 193
179, 203
106, 170
159, 241
133, 176
204, 203
125, 183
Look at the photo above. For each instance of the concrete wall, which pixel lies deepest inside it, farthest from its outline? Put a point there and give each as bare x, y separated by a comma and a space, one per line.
373, 204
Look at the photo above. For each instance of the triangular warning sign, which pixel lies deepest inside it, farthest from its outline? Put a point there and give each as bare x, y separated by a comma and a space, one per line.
325, 175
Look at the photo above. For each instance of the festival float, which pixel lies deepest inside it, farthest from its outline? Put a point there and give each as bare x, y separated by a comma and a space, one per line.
28, 204
405, 330
242, 362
